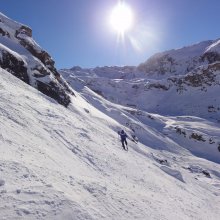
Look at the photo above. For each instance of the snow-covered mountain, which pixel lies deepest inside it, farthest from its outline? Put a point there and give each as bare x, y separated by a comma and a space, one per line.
68, 163
181, 61
24, 58
168, 83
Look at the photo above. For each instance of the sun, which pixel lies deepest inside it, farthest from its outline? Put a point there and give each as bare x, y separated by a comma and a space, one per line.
121, 18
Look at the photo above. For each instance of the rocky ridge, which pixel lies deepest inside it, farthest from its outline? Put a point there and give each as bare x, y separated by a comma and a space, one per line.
24, 58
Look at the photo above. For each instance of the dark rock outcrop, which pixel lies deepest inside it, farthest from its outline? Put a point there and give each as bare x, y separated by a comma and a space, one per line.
4, 33
211, 57
54, 91
17, 67
42, 55
200, 78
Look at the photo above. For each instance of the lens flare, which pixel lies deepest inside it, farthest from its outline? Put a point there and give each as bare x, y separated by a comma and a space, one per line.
121, 18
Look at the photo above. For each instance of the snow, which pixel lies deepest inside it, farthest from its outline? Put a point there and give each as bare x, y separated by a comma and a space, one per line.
9, 25
15, 54
175, 173
185, 53
30, 41
215, 47
59, 163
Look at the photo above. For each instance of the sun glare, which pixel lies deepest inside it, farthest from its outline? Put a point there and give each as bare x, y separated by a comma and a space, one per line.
121, 18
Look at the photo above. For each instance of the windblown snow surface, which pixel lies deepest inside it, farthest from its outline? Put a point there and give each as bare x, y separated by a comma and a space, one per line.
68, 163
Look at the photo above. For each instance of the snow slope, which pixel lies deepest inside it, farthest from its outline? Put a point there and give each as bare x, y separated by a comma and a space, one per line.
67, 163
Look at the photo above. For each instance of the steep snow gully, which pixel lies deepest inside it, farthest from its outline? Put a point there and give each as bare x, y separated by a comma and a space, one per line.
67, 163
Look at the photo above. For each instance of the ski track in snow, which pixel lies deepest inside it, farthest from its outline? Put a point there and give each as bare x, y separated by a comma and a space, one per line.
58, 163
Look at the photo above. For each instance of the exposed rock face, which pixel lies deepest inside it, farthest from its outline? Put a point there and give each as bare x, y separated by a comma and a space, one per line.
201, 78
162, 64
25, 59
15, 66
211, 57
54, 91
158, 86
4, 33
23, 30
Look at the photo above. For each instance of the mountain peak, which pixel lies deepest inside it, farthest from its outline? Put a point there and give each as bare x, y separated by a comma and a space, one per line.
180, 61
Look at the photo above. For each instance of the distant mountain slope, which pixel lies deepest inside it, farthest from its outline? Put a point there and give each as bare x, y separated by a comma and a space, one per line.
24, 58
181, 61
168, 83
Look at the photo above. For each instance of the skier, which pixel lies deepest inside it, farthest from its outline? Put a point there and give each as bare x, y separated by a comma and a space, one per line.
123, 136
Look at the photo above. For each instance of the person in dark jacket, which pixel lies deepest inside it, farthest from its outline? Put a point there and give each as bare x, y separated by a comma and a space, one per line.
123, 136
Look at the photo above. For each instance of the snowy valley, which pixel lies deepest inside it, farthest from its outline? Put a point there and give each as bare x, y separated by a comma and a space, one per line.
66, 161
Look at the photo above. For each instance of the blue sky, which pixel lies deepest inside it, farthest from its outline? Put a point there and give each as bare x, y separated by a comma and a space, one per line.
77, 32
